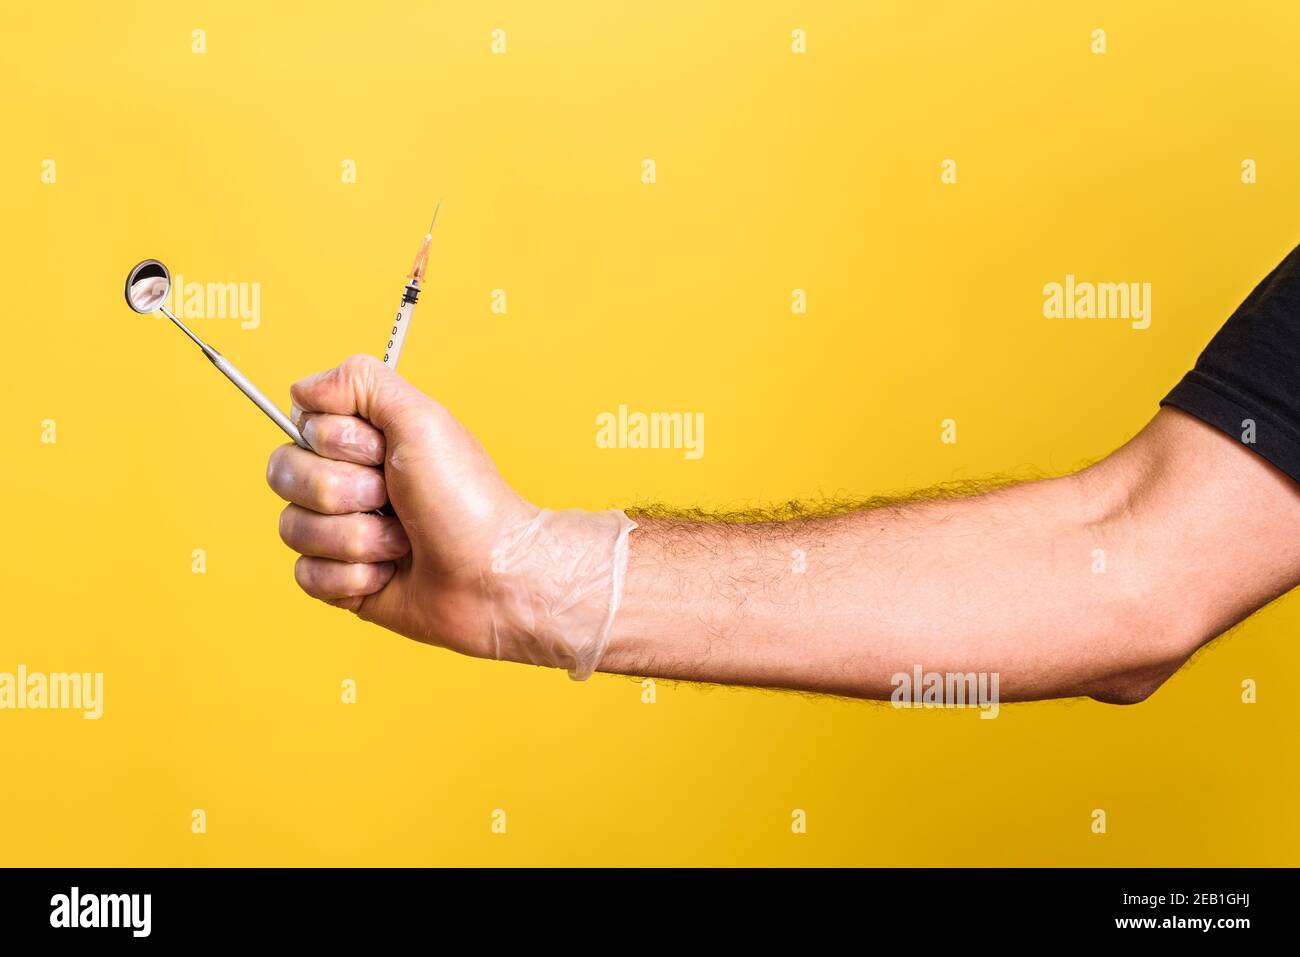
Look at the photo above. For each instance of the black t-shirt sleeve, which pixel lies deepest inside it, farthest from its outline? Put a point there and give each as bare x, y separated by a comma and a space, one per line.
1250, 372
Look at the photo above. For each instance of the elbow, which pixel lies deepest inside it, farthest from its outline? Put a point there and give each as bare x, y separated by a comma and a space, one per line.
1147, 646
1148, 620
1148, 641
1132, 687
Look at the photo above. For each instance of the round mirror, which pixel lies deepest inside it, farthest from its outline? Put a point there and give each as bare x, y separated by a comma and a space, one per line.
147, 286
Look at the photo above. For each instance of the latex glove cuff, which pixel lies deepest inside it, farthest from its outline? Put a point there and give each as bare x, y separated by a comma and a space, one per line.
554, 587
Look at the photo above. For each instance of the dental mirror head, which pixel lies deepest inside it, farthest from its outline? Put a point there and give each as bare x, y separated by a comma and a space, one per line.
147, 286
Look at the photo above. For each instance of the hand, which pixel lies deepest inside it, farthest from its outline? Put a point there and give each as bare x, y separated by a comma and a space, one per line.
419, 574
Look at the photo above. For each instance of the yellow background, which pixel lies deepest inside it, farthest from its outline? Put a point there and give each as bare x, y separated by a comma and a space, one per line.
775, 172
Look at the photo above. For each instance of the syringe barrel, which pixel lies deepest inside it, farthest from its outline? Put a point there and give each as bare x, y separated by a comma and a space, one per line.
397, 335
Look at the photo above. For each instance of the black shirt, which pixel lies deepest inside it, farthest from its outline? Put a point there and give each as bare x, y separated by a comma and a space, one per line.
1247, 381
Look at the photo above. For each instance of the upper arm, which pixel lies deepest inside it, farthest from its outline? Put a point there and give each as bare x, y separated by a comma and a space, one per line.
1212, 527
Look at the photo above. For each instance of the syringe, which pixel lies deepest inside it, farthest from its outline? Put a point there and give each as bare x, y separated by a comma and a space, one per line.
409, 296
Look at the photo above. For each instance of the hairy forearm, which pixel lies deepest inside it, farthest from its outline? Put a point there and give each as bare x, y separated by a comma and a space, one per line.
1098, 583
841, 604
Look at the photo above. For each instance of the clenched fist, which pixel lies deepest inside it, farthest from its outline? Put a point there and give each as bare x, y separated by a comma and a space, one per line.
466, 563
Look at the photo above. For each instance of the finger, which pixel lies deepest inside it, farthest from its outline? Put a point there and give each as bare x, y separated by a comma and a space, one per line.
324, 485
344, 438
360, 385
347, 538
333, 581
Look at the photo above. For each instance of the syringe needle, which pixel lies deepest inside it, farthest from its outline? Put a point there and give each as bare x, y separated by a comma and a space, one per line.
414, 280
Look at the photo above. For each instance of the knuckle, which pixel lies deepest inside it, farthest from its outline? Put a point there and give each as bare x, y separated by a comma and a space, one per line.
326, 491
357, 542
302, 573
288, 526
377, 491
360, 363
326, 434
360, 576
275, 468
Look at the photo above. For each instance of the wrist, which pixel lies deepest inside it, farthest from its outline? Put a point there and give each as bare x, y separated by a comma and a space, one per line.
554, 585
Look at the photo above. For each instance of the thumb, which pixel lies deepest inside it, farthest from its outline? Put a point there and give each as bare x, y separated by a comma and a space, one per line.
360, 385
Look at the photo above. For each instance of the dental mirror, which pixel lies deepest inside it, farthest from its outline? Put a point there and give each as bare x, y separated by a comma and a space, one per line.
147, 285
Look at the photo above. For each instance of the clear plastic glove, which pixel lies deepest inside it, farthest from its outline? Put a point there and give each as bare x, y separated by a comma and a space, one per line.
467, 563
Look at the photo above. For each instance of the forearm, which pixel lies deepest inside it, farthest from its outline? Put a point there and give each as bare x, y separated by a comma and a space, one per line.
991, 583
1098, 583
